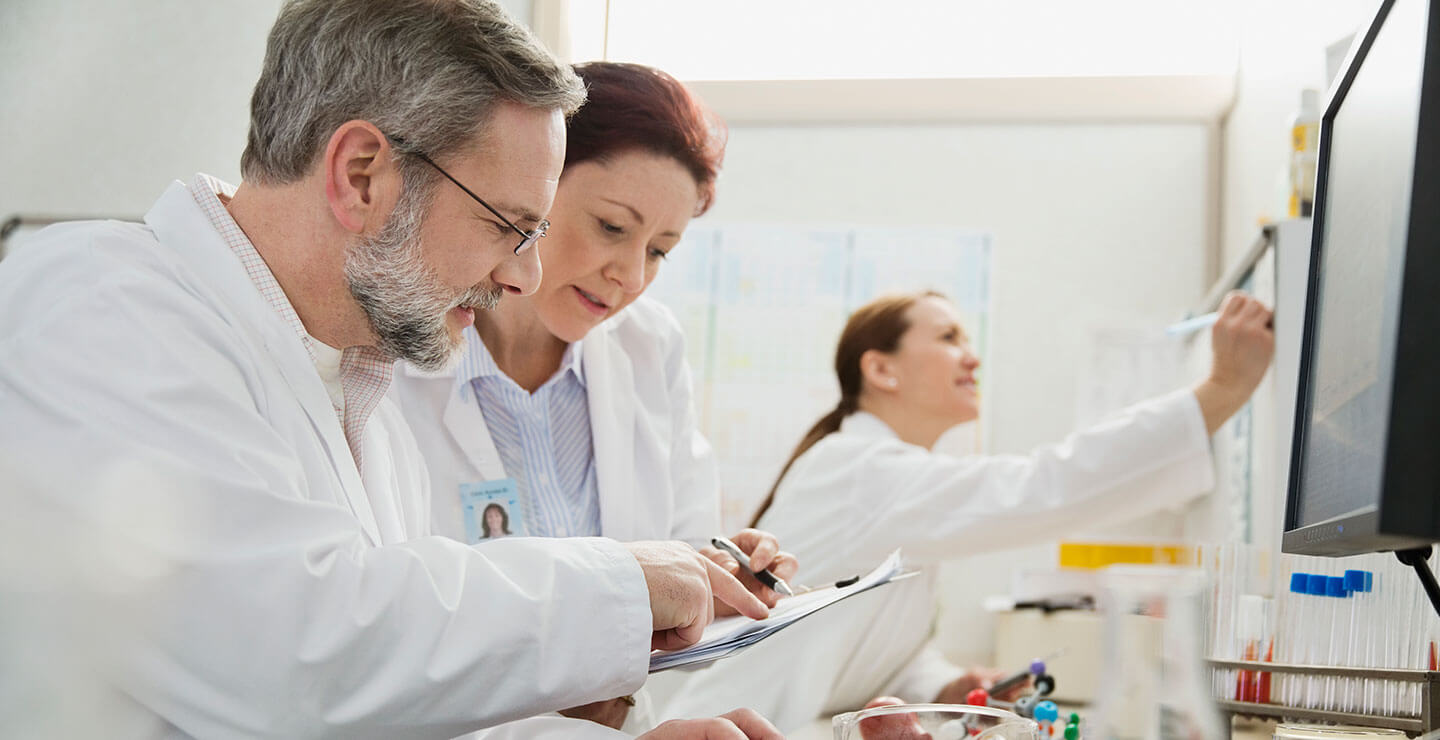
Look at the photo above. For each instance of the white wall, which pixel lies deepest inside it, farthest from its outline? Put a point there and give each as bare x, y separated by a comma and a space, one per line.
105, 103
1282, 51
1093, 224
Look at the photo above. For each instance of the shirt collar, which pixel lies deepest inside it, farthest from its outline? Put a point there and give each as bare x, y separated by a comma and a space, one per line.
207, 192
477, 362
866, 424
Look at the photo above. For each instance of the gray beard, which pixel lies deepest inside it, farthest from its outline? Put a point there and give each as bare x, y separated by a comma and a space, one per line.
403, 298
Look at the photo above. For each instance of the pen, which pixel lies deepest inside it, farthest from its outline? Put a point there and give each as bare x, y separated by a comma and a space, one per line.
1193, 324
763, 576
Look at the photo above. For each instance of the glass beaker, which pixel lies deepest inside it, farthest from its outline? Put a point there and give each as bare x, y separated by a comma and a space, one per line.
1152, 683
933, 722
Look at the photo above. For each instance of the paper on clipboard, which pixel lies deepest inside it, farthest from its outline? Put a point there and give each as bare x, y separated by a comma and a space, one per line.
729, 635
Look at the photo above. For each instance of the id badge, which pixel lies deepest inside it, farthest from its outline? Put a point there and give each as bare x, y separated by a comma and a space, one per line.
492, 510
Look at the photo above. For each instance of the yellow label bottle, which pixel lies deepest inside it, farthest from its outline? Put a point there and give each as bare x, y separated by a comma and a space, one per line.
1304, 151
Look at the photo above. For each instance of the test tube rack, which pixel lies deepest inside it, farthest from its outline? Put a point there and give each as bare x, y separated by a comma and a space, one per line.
1429, 681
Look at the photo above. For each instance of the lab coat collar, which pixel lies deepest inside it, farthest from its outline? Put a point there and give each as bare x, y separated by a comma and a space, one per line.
182, 227
866, 424
613, 429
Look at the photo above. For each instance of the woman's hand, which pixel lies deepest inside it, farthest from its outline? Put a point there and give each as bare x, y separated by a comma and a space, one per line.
891, 726
1242, 343
956, 691
765, 554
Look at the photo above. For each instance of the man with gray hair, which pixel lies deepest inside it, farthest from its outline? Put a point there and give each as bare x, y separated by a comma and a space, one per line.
224, 365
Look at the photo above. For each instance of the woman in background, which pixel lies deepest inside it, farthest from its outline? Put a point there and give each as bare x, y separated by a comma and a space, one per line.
864, 481
577, 399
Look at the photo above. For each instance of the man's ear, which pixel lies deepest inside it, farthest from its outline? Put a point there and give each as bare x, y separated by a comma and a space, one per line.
878, 370
361, 182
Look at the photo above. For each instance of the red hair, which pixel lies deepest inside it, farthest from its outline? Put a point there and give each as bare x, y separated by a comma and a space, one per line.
634, 107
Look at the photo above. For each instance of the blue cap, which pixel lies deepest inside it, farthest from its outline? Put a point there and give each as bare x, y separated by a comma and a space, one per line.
1335, 586
1369, 581
1354, 580
1298, 581
1315, 585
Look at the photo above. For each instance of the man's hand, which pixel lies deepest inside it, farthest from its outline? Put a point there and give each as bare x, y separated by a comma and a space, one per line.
891, 726
1242, 343
684, 588
741, 724
611, 712
765, 554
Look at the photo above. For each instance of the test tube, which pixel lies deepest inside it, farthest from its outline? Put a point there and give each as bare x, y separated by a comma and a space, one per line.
1359, 602
1289, 637
1322, 615
1339, 635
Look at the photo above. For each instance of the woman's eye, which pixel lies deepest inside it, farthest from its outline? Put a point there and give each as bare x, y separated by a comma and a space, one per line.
500, 229
610, 228
657, 253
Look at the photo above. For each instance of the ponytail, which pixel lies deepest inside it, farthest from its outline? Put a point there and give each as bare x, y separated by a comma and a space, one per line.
877, 325
826, 426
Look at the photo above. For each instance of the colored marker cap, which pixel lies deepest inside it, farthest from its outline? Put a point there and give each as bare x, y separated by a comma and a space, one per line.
1046, 711
1369, 581
1298, 581
1335, 586
1315, 585
1354, 580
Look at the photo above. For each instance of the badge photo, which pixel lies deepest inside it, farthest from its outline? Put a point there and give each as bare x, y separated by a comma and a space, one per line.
492, 510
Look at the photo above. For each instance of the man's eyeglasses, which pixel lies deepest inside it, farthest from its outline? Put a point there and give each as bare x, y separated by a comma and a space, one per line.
527, 239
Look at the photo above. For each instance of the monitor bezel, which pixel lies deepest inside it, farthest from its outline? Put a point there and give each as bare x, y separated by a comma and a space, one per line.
1407, 514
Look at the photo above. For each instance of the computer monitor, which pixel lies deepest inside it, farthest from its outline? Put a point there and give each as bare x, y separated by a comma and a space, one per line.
1365, 471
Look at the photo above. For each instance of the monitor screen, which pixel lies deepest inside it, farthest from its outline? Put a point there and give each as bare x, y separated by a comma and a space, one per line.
1343, 471
1362, 259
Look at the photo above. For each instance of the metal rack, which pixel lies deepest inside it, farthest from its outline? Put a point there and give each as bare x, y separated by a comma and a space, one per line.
1428, 720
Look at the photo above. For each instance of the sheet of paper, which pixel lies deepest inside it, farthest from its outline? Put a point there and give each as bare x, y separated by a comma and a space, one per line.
728, 635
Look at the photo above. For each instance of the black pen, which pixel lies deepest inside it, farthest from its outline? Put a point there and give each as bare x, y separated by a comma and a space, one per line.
763, 576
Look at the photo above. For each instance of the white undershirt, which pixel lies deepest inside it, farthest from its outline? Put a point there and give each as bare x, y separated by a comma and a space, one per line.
327, 362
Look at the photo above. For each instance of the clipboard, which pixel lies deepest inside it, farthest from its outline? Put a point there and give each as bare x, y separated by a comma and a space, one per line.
729, 635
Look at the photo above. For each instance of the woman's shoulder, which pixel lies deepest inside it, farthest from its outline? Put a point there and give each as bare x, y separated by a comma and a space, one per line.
646, 334
648, 318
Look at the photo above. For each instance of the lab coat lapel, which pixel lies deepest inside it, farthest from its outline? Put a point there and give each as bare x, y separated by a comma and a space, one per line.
610, 389
465, 422
182, 227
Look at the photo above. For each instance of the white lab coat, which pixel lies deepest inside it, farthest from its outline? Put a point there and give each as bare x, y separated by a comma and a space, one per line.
300, 601
655, 473
862, 492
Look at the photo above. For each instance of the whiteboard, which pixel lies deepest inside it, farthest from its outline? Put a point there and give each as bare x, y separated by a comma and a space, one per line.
762, 307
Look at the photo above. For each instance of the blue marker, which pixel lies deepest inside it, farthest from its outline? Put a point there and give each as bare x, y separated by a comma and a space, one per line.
1192, 324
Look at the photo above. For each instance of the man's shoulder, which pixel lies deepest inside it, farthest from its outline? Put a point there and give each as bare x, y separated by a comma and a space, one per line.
96, 267
76, 254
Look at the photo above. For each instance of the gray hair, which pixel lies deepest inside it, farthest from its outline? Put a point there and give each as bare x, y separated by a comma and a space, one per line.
429, 71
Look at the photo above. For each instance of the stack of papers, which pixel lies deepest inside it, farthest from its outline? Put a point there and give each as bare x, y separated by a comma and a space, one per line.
729, 635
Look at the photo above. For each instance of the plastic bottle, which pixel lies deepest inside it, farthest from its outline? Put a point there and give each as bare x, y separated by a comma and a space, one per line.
1153, 690
1304, 154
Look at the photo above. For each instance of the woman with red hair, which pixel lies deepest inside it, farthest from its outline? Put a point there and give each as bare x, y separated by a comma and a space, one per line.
576, 401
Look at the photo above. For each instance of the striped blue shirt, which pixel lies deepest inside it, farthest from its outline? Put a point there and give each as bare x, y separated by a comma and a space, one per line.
543, 440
